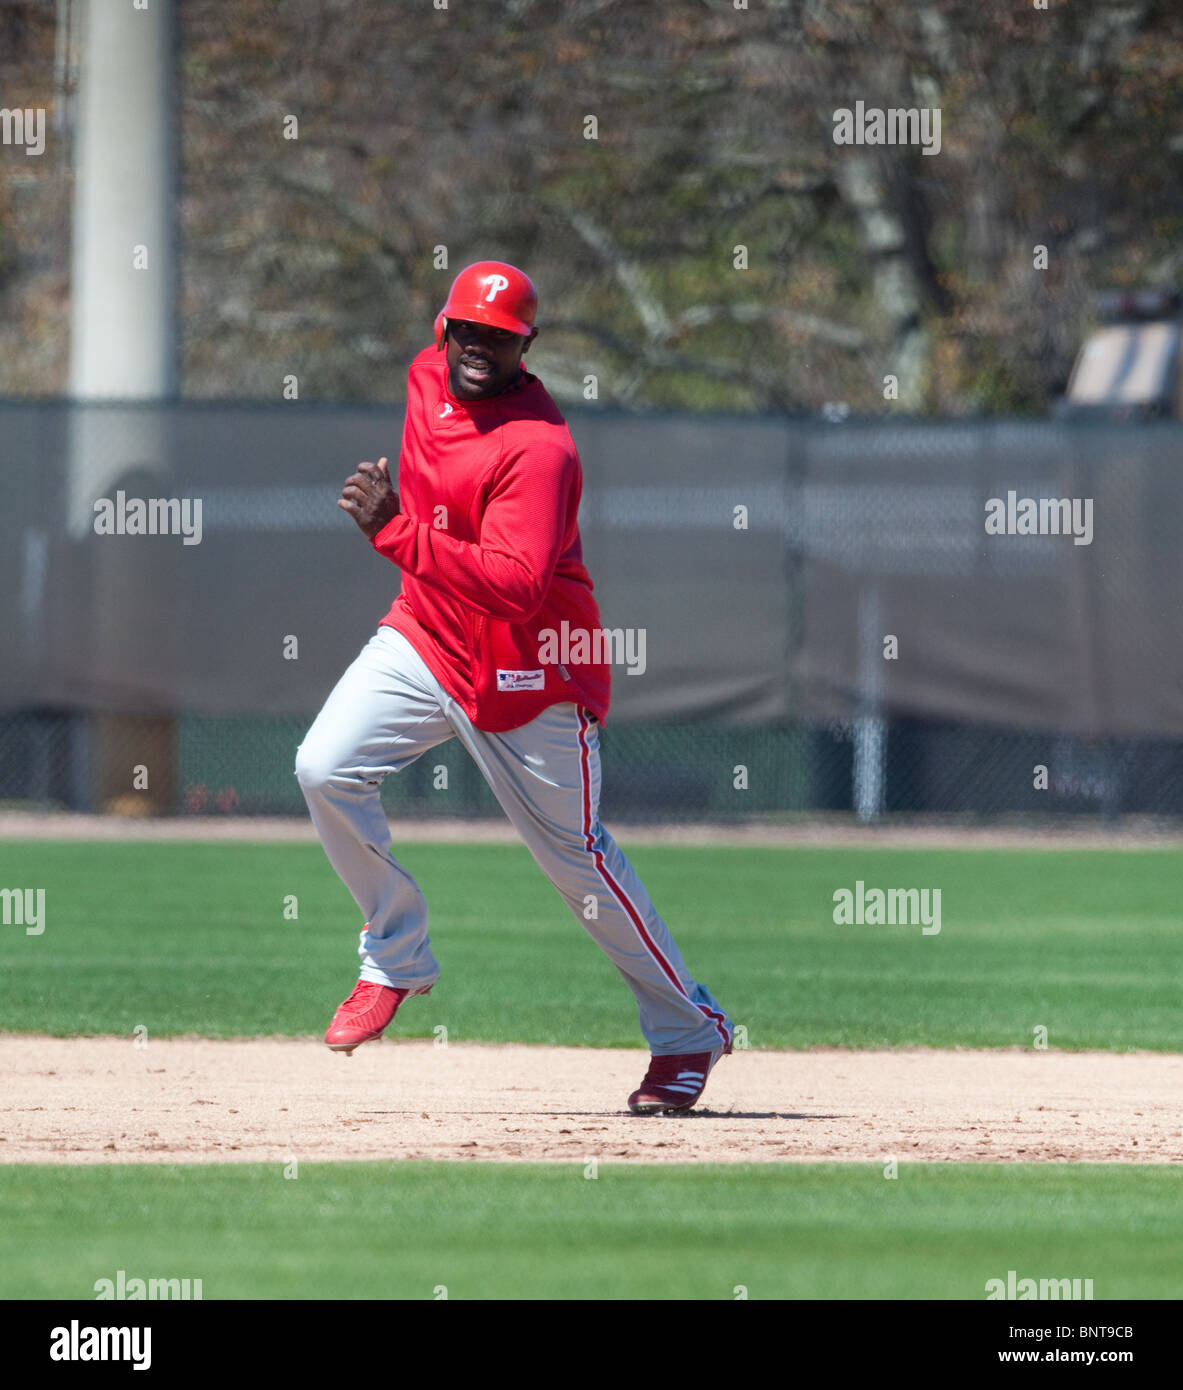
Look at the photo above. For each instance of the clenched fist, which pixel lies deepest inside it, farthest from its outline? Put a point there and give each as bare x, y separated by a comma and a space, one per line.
369, 497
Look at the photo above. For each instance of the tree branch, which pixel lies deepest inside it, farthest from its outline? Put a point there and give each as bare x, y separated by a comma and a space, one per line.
649, 308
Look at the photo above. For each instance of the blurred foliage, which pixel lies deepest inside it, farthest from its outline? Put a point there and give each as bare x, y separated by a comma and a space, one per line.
465, 128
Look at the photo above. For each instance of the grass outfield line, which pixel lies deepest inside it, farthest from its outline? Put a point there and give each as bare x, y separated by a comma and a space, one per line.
191, 938
377, 1230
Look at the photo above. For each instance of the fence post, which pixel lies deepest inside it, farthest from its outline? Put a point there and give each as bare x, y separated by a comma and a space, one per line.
870, 728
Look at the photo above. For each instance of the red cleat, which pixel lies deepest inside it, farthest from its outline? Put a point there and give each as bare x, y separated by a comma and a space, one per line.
364, 1015
673, 1083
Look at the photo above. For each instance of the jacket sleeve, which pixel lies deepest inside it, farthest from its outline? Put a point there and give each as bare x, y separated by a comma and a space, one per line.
507, 572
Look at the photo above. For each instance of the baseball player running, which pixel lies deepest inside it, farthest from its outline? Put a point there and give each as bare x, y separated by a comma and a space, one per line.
484, 527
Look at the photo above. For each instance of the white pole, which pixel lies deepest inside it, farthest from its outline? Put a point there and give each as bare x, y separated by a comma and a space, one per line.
123, 349
870, 728
122, 330
123, 288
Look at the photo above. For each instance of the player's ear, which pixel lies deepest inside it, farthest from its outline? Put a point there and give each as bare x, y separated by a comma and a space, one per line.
529, 340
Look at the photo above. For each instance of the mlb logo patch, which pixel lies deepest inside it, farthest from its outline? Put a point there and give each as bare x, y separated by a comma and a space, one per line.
521, 680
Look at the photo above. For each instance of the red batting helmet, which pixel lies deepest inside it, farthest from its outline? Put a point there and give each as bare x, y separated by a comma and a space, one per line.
490, 292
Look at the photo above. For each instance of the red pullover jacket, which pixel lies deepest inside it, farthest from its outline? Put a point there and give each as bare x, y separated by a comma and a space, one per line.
488, 543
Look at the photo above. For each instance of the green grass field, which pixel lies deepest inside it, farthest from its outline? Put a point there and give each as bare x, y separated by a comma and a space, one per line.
191, 938
383, 1230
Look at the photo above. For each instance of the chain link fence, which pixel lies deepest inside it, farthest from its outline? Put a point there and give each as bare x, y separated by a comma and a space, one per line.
830, 625
681, 773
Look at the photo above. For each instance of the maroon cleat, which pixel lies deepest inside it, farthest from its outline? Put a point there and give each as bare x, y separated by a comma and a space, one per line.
673, 1083
364, 1015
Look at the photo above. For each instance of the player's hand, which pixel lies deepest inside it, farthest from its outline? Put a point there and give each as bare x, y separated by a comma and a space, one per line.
369, 497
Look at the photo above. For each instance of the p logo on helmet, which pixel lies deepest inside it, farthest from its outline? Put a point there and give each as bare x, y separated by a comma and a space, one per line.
490, 292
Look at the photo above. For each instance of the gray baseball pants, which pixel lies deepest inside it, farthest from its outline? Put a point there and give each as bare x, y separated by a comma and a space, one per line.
386, 711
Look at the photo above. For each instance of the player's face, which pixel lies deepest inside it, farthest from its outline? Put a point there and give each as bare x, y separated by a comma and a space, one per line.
482, 361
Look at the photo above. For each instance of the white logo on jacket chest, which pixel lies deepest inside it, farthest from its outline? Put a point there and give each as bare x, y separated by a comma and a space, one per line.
521, 680
447, 410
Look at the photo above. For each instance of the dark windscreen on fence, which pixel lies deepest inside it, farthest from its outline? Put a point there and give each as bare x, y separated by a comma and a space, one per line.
764, 574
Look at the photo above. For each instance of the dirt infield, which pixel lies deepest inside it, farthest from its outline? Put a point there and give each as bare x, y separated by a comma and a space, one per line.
105, 1100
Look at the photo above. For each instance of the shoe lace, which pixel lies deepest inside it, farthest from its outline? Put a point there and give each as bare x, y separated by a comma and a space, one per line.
360, 993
